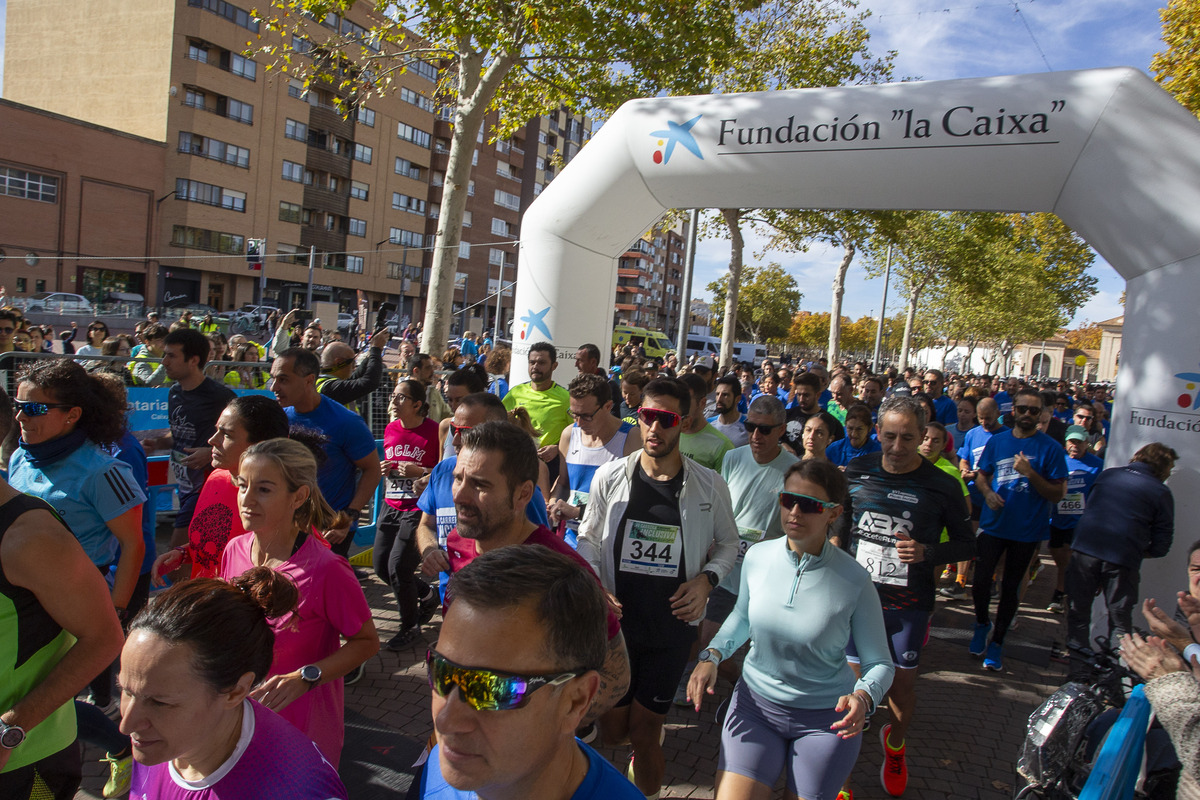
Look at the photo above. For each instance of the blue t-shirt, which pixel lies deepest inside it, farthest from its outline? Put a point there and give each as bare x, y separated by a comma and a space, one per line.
842, 452
946, 410
88, 488
970, 449
129, 450
602, 781
438, 502
1005, 401
1081, 474
347, 440
1025, 516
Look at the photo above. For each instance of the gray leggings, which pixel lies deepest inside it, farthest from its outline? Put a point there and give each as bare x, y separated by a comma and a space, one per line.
761, 738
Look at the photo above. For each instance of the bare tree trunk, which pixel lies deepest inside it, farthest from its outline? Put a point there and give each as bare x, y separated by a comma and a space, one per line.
476, 93
910, 320
835, 311
733, 221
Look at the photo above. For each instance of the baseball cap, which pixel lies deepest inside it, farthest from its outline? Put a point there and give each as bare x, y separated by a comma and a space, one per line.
1076, 432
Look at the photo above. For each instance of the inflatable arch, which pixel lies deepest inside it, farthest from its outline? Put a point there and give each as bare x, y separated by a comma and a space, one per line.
1116, 157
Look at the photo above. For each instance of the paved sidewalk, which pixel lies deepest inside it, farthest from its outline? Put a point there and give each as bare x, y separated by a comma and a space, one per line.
963, 742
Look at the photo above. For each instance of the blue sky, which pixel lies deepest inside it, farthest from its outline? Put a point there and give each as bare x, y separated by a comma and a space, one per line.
944, 39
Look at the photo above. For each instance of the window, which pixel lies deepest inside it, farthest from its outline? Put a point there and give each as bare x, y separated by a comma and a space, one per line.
291, 254
333, 183
507, 200
407, 168
366, 116
302, 46
227, 10
403, 202
394, 271
495, 256
215, 149
39, 285
470, 188
419, 100
439, 178
425, 70
293, 172
194, 98
289, 212
28, 185
296, 89
293, 129
354, 264
442, 145
499, 227
410, 134
21, 285
236, 110
363, 153
475, 158
468, 218
435, 211
197, 51
541, 163
356, 227
206, 193
464, 249
359, 190
406, 238
214, 241
242, 66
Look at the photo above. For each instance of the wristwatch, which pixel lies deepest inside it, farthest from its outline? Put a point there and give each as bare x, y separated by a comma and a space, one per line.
311, 675
710, 655
10, 735
713, 580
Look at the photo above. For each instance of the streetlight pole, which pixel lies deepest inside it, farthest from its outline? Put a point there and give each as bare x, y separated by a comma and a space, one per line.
887, 276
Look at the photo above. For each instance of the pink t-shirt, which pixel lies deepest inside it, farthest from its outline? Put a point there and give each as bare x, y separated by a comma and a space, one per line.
215, 522
419, 444
332, 605
462, 551
272, 761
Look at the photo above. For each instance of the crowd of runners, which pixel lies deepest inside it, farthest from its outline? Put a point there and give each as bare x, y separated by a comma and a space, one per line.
782, 528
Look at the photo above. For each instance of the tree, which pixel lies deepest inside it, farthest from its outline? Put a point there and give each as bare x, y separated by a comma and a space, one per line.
522, 58
1178, 67
809, 330
768, 300
1085, 337
790, 45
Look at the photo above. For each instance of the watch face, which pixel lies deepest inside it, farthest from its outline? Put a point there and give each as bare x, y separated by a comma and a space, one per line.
311, 673
12, 737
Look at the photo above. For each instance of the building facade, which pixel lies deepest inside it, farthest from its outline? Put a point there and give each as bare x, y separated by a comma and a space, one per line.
72, 194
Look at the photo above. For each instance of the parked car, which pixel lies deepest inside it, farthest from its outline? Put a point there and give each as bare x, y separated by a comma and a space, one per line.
198, 310
62, 302
345, 320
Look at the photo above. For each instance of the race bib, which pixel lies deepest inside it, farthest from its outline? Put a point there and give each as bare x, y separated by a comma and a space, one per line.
1072, 504
747, 537
882, 562
447, 518
578, 498
651, 549
399, 489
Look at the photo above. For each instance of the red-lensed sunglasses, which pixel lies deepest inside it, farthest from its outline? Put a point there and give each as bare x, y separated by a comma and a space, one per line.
665, 419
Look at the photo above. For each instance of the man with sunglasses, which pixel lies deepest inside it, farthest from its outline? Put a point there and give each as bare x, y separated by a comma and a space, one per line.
897, 506
1021, 474
659, 531
596, 438
934, 385
514, 673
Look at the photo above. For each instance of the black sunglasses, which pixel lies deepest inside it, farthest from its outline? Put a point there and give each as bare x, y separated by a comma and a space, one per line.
808, 505
753, 428
1027, 409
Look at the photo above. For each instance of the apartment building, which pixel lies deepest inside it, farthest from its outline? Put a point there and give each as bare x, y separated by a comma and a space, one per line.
650, 278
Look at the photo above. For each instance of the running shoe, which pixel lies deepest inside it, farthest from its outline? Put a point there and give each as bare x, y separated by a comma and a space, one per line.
994, 660
1058, 603
427, 606
680, 700
845, 794
947, 574
979, 640
120, 772
893, 772
112, 709
404, 639
1059, 653
954, 591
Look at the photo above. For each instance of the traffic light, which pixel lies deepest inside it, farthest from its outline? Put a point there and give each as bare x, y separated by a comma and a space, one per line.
254, 253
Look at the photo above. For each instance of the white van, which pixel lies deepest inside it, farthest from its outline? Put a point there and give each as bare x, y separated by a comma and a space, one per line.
749, 352
698, 345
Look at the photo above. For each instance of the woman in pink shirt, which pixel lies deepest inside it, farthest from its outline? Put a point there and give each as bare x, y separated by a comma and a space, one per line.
410, 451
280, 504
245, 421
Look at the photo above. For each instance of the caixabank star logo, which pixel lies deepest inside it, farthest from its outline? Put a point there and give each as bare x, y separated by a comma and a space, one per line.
676, 133
535, 321
1190, 399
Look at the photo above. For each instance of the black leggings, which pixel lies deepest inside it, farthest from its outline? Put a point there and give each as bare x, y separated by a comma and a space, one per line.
396, 558
989, 550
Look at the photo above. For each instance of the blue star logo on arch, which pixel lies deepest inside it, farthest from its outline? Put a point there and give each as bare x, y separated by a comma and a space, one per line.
676, 134
535, 321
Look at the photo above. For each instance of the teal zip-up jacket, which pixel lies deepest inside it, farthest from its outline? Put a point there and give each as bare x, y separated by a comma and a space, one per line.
799, 611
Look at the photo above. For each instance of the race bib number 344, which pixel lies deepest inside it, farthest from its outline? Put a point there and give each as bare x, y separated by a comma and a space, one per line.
651, 549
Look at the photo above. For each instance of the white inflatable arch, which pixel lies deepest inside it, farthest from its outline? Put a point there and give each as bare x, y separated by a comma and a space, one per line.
1116, 157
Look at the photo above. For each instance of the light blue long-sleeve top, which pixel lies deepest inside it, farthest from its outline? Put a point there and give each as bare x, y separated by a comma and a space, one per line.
799, 611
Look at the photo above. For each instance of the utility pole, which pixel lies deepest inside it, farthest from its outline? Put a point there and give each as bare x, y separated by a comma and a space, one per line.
312, 259
887, 276
685, 311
